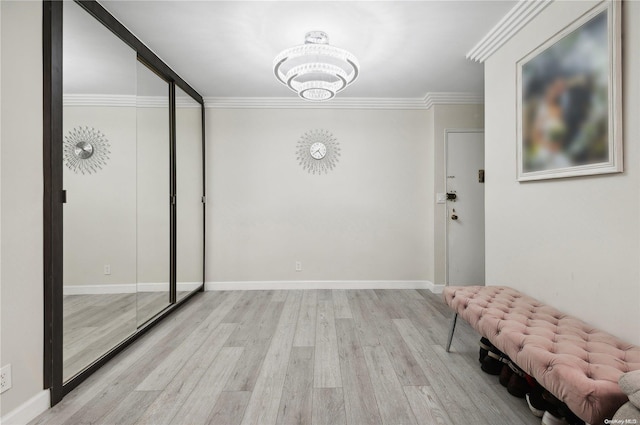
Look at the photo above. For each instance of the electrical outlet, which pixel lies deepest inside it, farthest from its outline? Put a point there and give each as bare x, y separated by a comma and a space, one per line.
298, 266
5, 378
107, 269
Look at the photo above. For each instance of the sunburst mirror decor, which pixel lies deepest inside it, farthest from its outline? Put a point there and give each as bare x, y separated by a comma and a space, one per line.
86, 150
318, 151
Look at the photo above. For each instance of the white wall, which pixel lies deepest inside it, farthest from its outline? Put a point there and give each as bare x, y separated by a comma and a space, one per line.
368, 219
21, 189
430, 194
111, 219
152, 213
100, 213
447, 117
189, 212
574, 243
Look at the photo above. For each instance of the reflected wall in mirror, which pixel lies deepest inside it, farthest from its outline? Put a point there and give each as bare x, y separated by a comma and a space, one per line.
153, 188
99, 122
189, 184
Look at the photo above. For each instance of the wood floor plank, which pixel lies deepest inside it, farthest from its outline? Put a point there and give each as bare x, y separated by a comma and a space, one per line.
393, 309
328, 406
150, 304
247, 370
406, 367
297, 394
453, 398
241, 307
247, 322
436, 301
106, 401
263, 406
327, 363
173, 329
325, 295
306, 328
423, 317
169, 367
229, 408
279, 296
393, 404
457, 392
128, 412
426, 406
367, 333
197, 408
167, 404
480, 389
360, 402
341, 305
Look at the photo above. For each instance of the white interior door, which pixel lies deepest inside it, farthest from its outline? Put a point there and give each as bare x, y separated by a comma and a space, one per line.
465, 213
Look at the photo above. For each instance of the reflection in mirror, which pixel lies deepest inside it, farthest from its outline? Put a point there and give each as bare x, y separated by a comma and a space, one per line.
99, 129
190, 211
153, 173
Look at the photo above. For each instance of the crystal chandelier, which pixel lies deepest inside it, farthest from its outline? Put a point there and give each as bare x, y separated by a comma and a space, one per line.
315, 70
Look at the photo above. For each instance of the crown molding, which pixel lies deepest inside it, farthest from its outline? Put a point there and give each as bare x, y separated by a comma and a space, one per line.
426, 102
411, 103
125, 100
521, 14
452, 98
115, 100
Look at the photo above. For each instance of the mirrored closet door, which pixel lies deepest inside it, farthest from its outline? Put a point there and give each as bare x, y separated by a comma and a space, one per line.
189, 183
124, 190
99, 177
153, 188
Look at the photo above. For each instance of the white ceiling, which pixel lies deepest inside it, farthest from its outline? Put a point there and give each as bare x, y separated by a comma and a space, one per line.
405, 48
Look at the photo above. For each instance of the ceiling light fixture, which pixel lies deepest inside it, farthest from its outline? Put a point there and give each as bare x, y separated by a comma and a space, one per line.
315, 70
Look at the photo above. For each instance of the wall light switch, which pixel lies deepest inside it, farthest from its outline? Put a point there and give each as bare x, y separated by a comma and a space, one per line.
441, 198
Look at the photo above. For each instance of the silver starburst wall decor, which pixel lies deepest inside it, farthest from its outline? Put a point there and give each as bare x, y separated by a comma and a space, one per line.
318, 151
86, 150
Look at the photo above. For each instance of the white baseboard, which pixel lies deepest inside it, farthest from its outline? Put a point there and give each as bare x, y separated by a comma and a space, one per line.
436, 289
126, 288
164, 287
28, 410
114, 288
132, 288
322, 284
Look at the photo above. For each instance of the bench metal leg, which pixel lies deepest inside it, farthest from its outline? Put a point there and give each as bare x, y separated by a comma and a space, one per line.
453, 328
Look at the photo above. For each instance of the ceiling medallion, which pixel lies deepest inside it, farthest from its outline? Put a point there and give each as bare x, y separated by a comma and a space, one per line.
85, 150
318, 151
315, 70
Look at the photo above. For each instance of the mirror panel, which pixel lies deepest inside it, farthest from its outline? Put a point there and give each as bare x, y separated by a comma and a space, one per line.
153, 189
99, 242
189, 184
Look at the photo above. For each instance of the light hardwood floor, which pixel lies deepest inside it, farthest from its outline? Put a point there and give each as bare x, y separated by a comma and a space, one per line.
297, 357
94, 324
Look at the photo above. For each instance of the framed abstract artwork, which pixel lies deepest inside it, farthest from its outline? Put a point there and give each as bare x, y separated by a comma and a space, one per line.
569, 100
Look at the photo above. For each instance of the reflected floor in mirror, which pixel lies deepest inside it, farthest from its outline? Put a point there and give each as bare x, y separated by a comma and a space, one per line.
306, 357
94, 324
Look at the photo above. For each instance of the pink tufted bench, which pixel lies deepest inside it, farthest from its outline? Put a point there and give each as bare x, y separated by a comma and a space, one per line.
576, 362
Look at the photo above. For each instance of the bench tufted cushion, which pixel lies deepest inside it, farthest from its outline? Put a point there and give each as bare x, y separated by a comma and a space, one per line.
576, 362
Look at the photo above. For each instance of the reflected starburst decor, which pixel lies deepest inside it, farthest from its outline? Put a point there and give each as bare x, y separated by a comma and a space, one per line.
86, 150
318, 151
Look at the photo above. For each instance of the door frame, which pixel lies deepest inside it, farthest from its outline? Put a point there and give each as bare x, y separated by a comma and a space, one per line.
53, 194
446, 209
